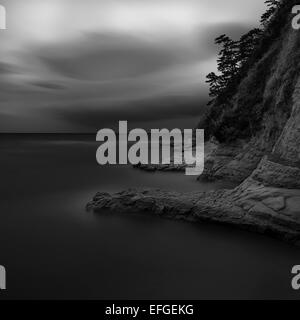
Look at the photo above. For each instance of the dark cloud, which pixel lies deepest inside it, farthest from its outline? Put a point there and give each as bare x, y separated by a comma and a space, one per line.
7, 68
138, 112
49, 85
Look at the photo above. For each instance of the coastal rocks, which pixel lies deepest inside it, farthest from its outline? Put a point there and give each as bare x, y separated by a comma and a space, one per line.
288, 144
160, 167
275, 203
210, 147
268, 202
157, 202
293, 206
252, 209
277, 174
233, 162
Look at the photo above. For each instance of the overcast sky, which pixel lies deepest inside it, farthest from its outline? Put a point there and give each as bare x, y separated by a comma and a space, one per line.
81, 65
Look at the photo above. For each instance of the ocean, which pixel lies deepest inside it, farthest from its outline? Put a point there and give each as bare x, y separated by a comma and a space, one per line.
53, 249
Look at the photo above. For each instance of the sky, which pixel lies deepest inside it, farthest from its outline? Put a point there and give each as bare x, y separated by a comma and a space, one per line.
82, 65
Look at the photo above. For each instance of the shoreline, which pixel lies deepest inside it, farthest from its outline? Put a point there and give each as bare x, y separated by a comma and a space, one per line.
192, 207
258, 204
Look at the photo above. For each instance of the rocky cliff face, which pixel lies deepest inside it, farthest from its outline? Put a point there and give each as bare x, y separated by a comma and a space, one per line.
265, 164
278, 107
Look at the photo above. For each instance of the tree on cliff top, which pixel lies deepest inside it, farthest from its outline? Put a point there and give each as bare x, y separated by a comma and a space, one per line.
235, 54
272, 5
227, 65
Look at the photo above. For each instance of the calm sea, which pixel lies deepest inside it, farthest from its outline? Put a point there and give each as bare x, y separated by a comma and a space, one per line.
52, 248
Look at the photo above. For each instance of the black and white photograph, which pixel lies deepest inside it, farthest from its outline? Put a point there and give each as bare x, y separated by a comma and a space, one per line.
149, 152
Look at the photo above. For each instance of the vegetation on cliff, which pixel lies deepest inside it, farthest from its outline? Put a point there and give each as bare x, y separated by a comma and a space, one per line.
242, 91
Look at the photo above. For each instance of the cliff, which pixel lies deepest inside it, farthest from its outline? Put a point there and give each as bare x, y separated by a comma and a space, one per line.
255, 131
259, 117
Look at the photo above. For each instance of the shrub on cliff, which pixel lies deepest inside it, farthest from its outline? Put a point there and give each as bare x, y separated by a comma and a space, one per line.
238, 108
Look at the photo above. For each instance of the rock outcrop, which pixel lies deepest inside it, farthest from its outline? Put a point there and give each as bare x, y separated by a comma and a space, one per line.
265, 165
255, 205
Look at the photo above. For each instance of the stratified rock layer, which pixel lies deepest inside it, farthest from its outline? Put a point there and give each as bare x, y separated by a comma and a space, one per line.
252, 205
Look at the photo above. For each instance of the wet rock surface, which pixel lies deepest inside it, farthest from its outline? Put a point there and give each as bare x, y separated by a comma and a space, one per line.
251, 206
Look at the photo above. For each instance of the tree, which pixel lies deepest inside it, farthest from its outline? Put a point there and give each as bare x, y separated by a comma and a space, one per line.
228, 65
235, 54
272, 5
216, 84
247, 45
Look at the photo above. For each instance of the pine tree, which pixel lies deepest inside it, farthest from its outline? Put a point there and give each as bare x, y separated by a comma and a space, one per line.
215, 84
228, 65
272, 5
228, 57
235, 54
247, 45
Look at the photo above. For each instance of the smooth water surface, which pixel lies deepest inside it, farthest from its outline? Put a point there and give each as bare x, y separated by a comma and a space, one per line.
52, 248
